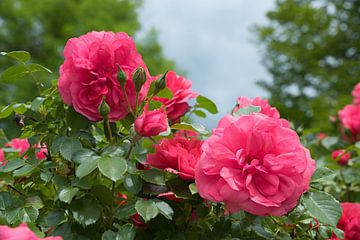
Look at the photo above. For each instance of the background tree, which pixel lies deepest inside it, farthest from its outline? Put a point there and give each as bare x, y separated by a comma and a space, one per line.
43, 27
311, 49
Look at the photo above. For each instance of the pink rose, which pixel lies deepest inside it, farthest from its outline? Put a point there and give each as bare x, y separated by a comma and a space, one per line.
178, 155
22, 145
89, 73
341, 156
22, 232
349, 221
255, 163
2, 157
350, 118
266, 108
321, 136
151, 123
41, 151
182, 93
356, 94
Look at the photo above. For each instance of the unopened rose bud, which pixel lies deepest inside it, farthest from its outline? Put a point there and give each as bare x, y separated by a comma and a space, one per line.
139, 78
121, 76
104, 109
160, 84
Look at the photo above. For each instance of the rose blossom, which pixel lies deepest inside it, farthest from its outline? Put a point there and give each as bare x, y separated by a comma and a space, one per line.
178, 155
356, 94
350, 118
266, 108
151, 123
41, 151
22, 145
341, 156
22, 232
89, 74
182, 93
255, 163
349, 221
2, 157
321, 136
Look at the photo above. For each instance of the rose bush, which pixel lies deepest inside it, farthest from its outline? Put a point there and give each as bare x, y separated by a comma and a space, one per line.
109, 151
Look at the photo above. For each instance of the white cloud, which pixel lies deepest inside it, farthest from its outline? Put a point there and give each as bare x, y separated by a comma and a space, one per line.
210, 39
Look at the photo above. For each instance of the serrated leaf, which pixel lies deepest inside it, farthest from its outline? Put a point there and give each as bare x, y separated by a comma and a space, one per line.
165, 209
127, 232
125, 211
247, 110
86, 211
147, 209
133, 183
29, 214
320, 174
154, 176
67, 194
56, 144
199, 113
69, 146
34, 201
23, 171
112, 167
207, 104
328, 142
165, 93
20, 56
86, 167
324, 207
12, 165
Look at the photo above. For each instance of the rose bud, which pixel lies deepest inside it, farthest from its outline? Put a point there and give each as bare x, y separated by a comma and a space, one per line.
151, 123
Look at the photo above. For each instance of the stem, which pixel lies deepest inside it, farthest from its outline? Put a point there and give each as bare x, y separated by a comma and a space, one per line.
127, 101
133, 142
108, 129
13, 188
346, 186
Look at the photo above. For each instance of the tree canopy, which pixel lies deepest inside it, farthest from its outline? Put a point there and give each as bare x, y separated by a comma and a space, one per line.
311, 49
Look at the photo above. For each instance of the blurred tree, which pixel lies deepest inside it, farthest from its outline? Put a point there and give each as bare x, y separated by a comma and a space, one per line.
42, 28
312, 51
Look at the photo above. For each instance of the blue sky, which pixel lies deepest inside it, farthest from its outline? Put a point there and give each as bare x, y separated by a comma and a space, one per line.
211, 40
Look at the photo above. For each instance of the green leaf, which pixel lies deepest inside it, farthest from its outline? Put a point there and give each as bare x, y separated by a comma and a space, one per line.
75, 120
192, 127
324, 207
247, 110
328, 142
165, 93
20, 108
127, 232
56, 144
199, 113
153, 104
12, 165
133, 184
86, 167
112, 167
29, 214
20, 56
154, 176
165, 209
67, 194
205, 103
34, 201
34, 67
193, 188
110, 235
13, 73
103, 194
36, 103
125, 211
23, 171
320, 174
6, 111
82, 155
86, 211
69, 147
53, 218
147, 209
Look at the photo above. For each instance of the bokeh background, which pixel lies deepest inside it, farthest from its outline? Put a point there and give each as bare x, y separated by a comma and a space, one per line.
303, 55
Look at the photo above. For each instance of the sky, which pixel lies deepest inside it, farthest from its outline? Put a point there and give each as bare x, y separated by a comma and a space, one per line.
212, 41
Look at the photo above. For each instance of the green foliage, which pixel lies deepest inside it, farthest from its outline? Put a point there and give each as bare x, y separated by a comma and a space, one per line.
310, 50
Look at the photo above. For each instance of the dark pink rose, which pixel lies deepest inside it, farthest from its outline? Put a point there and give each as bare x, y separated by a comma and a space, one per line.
254, 163
266, 108
341, 156
2, 157
356, 94
22, 232
41, 151
182, 93
151, 123
178, 155
89, 74
349, 221
21, 145
350, 118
